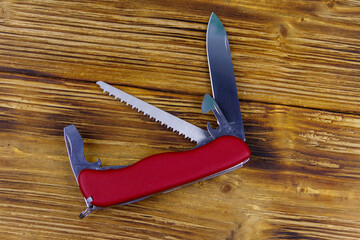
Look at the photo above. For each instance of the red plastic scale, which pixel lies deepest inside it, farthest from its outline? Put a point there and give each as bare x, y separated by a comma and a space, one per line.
161, 172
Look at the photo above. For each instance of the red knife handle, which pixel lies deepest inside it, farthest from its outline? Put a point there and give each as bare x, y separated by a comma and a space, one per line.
161, 172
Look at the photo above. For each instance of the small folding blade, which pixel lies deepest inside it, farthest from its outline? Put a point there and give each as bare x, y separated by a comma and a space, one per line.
189, 130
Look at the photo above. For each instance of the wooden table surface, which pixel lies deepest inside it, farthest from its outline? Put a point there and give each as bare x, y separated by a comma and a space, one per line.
297, 71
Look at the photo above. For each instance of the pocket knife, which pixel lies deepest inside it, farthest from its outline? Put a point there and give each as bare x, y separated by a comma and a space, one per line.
218, 151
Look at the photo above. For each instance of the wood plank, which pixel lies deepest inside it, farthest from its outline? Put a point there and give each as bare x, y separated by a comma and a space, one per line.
303, 54
302, 180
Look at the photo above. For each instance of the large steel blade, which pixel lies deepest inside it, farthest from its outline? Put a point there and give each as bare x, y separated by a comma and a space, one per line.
222, 74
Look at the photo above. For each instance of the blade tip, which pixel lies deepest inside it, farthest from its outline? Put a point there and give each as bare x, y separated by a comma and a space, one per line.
213, 17
100, 83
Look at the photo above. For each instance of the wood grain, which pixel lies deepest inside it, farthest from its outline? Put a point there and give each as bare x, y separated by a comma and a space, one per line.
297, 72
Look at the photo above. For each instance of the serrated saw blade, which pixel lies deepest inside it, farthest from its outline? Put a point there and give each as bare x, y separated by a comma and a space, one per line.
170, 121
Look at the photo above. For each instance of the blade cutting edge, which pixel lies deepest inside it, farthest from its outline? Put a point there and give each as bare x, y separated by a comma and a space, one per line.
187, 129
